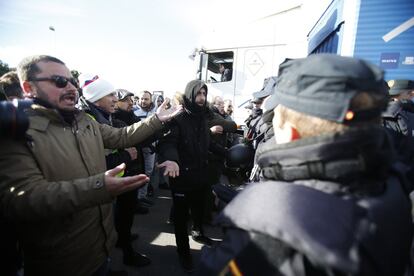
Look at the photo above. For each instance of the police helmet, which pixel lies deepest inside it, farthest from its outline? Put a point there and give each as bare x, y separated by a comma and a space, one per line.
240, 156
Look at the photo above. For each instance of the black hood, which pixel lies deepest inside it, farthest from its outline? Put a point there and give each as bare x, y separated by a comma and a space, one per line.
189, 97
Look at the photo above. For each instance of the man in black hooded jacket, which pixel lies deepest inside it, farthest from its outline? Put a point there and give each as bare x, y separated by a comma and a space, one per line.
186, 147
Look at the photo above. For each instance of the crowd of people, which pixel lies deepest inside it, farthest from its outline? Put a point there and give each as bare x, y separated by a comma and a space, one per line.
328, 192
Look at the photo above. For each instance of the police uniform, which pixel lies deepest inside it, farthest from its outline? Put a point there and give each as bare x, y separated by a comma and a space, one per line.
331, 204
399, 115
398, 120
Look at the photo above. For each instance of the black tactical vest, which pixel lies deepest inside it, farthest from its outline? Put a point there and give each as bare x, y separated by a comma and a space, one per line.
357, 236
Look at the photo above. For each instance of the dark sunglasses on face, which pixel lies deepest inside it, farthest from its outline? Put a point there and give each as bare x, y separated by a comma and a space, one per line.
58, 81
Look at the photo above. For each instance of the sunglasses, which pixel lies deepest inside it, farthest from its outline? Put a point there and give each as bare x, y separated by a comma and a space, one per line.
58, 81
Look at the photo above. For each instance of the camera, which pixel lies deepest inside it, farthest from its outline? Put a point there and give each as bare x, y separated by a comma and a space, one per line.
13, 120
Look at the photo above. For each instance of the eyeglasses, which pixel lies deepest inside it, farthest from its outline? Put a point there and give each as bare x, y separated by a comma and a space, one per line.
59, 81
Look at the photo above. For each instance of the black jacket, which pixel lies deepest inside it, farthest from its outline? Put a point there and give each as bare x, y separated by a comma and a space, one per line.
127, 117
136, 166
219, 140
188, 141
334, 206
253, 123
398, 120
399, 117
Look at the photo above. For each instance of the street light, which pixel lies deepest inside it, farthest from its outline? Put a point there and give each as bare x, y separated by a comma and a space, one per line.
51, 28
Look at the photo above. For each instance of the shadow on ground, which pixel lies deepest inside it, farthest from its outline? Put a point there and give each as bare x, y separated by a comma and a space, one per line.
157, 241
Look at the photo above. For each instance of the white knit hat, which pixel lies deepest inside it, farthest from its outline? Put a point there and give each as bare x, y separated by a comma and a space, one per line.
94, 88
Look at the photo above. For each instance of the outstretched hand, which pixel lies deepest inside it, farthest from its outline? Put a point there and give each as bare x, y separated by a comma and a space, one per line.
165, 114
171, 168
118, 185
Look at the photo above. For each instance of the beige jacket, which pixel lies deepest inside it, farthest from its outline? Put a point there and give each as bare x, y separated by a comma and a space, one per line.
53, 187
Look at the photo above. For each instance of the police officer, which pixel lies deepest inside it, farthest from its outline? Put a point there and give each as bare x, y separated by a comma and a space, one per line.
399, 115
332, 204
259, 122
398, 120
252, 122
263, 128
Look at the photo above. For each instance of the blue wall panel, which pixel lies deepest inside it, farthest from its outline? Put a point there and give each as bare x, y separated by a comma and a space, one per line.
377, 18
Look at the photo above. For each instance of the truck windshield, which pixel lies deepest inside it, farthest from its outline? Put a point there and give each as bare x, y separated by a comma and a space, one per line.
220, 67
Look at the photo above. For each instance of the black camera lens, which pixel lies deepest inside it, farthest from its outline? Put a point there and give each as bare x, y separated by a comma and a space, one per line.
13, 120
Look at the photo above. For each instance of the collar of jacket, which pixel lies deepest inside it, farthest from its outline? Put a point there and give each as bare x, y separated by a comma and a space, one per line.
100, 115
256, 112
215, 110
341, 157
50, 113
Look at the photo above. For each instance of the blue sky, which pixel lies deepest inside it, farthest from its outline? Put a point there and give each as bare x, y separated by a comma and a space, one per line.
135, 45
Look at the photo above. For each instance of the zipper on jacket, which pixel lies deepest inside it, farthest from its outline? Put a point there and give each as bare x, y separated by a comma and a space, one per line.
75, 130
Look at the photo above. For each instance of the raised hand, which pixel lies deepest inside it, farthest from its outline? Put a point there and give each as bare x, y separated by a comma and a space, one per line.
165, 114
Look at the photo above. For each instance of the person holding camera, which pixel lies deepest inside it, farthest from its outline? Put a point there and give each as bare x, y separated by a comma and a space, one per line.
54, 182
11, 86
10, 255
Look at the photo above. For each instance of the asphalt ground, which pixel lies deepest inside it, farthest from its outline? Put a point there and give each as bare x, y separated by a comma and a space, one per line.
157, 241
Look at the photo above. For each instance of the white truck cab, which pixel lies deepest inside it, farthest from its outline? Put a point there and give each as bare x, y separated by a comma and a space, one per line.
252, 52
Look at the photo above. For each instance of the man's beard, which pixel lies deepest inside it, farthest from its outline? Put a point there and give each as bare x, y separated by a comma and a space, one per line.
45, 98
146, 108
128, 109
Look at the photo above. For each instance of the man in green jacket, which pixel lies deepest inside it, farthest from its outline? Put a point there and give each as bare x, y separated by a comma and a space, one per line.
54, 184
